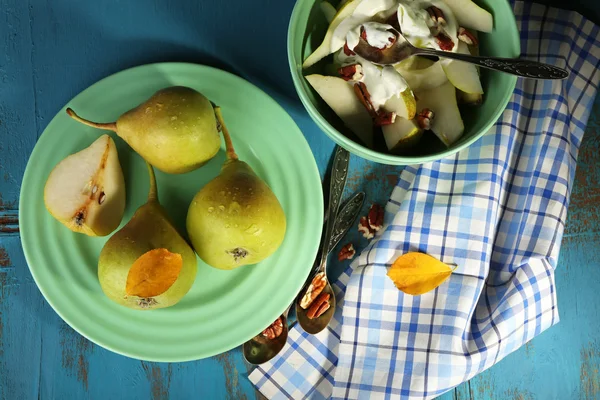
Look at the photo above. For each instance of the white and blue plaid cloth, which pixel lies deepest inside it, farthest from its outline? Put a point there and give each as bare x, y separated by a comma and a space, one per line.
496, 209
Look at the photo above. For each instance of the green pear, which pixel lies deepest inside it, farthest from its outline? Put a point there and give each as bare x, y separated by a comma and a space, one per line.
175, 130
235, 219
86, 190
148, 231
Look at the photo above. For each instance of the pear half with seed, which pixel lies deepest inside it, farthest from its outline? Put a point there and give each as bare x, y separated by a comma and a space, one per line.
86, 190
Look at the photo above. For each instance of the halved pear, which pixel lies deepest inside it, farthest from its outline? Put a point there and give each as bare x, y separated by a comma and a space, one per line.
401, 135
404, 104
325, 48
86, 190
339, 95
464, 76
470, 15
447, 123
424, 79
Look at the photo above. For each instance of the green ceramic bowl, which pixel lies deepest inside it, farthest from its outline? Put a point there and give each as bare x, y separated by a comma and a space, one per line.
306, 31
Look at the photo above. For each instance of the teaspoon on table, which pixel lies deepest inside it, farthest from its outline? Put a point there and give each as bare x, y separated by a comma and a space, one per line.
402, 49
261, 349
315, 324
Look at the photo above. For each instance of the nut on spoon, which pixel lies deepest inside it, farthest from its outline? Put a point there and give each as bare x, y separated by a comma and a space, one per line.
402, 49
261, 349
317, 315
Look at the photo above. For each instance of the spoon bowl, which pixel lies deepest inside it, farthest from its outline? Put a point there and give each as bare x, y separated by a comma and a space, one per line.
316, 325
261, 349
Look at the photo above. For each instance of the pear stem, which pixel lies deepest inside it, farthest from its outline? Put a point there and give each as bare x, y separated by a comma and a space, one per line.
111, 126
152, 193
231, 155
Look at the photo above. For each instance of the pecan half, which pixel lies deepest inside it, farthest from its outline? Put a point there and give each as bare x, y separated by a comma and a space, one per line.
347, 50
352, 72
360, 89
375, 217
314, 289
384, 118
365, 229
424, 118
467, 36
346, 253
437, 15
274, 330
444, 41
320, 305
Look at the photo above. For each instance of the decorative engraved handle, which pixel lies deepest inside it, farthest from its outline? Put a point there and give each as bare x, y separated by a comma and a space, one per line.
515, 66
346, 218
339, 173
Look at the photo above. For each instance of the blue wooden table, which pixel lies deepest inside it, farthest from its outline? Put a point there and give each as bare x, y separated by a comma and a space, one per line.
52, 49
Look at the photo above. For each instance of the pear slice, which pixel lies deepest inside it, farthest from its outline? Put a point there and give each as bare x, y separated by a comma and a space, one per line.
404, 105
470, 15
447, 123
464, 76
339, 95
424, 79
324, 48
328, 10
402, 135
86, 190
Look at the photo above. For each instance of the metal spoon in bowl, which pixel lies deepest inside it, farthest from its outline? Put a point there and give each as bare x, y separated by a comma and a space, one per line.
310, 321
402, 49
260, 349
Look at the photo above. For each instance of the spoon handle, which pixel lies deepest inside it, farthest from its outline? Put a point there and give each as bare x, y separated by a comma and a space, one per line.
345, 219
514, 66
337, 182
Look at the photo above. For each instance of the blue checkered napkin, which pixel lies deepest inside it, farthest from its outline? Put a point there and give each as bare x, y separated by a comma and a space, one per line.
496, 209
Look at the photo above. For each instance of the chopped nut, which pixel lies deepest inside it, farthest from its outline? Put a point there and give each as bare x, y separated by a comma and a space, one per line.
320, 305
375, 217
360, 89
384, 118
380, 118
437, 15
365, 229
352, 72
346, 253
424, 118
314, 289
347, 50
467, 36
274, 330
444, 41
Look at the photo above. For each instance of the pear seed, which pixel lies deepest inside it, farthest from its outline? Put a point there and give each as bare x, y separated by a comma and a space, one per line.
79, 217
222, 207
210, 209
94, 189
101, 198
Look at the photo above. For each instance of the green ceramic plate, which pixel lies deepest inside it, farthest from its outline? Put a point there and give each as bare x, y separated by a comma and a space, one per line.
306, 31
223, 308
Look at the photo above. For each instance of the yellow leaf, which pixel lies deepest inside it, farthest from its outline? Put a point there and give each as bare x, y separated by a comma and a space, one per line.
153, 273
417, 273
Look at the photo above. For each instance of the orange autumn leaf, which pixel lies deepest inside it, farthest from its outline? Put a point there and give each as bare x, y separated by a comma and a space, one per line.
153, 273
417, 273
